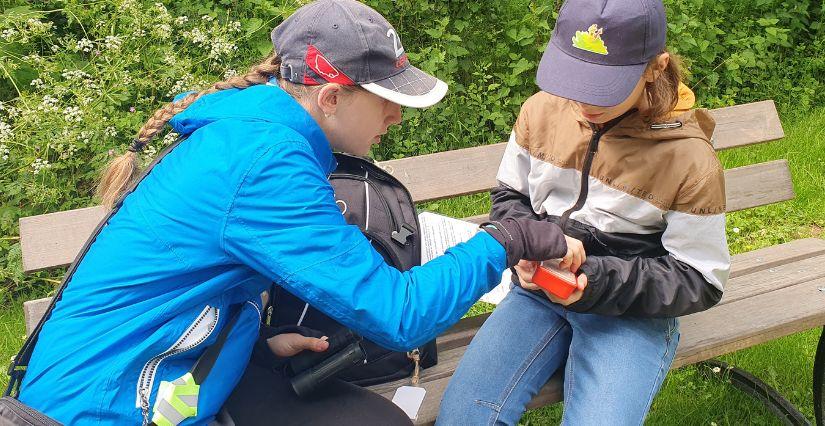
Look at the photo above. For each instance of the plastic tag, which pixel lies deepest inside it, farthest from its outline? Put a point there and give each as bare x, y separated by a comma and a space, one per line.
409, 399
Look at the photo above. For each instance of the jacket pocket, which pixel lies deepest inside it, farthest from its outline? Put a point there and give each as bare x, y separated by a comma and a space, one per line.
195, 334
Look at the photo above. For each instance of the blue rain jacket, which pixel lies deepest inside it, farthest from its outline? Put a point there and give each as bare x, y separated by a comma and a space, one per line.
243, 202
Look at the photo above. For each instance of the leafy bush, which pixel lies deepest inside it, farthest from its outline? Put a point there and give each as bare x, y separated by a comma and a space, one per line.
77, 79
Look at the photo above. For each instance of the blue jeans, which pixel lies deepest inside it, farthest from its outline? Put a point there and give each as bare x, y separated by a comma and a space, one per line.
614, 365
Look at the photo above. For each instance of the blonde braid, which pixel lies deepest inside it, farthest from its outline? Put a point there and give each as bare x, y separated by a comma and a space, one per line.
123, 170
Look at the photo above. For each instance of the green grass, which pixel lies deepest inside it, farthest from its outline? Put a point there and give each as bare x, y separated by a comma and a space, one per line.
688, 397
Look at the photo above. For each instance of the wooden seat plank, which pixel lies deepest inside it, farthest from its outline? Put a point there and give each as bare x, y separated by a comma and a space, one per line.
748, 322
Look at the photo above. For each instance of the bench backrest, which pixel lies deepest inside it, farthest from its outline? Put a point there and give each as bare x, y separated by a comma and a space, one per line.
53, 240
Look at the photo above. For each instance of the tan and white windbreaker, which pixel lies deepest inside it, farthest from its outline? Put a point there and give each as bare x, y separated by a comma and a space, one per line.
652, 215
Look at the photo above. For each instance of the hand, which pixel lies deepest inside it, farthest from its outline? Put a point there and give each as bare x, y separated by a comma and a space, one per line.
290, 344
581, 283
575, 255
525, 270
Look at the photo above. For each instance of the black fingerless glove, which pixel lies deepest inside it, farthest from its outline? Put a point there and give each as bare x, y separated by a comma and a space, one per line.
529, 239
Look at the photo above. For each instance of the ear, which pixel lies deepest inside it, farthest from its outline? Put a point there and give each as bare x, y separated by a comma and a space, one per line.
329, 97
655, 70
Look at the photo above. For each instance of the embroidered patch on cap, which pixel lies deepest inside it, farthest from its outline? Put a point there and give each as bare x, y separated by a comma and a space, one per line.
591, 40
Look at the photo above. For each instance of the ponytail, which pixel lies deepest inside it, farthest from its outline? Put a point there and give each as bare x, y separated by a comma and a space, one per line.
663, 92
123, 170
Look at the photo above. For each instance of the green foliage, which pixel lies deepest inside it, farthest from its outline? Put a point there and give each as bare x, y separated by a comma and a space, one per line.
78, 78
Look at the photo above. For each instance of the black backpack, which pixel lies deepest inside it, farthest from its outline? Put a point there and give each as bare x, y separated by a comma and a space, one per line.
383, 209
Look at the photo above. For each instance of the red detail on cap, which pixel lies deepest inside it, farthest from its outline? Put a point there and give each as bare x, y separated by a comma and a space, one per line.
402, 61
309, 81
318, 63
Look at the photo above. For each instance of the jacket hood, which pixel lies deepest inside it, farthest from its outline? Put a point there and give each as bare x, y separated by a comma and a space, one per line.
684, 122
265, 102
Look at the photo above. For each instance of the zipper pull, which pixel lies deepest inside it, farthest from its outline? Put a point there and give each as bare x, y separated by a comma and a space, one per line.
268, 314
144, 406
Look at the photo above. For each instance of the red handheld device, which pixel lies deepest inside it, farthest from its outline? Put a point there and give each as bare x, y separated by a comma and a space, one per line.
558, 282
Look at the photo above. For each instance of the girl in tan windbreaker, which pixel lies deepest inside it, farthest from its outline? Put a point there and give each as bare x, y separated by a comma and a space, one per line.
611, 151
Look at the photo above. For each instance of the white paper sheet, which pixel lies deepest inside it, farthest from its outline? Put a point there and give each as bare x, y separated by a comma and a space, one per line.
438, 233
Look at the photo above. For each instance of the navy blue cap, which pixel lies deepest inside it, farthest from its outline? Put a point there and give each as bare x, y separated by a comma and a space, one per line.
600, 48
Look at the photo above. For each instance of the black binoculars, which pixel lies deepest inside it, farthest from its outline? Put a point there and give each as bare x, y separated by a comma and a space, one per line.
310, 370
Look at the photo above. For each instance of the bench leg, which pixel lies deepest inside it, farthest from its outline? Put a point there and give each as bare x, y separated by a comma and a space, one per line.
819, 378
760, 390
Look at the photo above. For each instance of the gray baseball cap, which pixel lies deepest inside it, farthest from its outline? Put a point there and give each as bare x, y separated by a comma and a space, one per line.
347, 42
600, 48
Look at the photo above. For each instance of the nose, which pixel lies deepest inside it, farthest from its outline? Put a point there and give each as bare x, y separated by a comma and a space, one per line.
394, 115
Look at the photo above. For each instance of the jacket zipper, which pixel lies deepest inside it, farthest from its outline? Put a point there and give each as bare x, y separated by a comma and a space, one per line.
197, 332
592, 148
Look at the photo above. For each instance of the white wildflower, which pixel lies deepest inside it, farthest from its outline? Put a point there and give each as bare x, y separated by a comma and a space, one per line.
169, 59
37, 83
112, 43
229, 73
75, 75
181, 20
34, 58
716, 370
55, 48
221, 48
40, 164
68, 152
196, 36
110, 132
4, 152
8, 34
169, 138
736, 230
38, 27
234, 26
73, 114
207, 18
150, 151
84, 45
162, 31
5, 132
49, 103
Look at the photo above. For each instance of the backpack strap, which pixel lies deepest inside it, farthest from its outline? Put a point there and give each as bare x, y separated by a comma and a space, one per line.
20, 362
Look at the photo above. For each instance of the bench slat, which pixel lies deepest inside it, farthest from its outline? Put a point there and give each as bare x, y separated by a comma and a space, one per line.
472, 170
54, 239
745, 323
774, 179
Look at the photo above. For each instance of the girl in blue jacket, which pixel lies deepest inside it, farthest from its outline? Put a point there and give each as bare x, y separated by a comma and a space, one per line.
242, 202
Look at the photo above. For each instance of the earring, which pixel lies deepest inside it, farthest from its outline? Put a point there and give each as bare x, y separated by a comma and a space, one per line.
330, 116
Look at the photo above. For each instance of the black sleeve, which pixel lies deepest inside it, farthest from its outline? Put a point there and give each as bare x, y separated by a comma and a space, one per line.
507, 202
644, 287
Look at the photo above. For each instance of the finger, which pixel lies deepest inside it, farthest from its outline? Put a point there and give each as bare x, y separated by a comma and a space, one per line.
577, 261
581, 282
311, 343
566, 260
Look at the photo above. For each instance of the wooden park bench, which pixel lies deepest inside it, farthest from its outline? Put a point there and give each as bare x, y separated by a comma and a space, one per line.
773, 292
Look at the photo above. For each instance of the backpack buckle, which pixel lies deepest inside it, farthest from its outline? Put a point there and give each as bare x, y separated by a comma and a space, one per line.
401, 236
